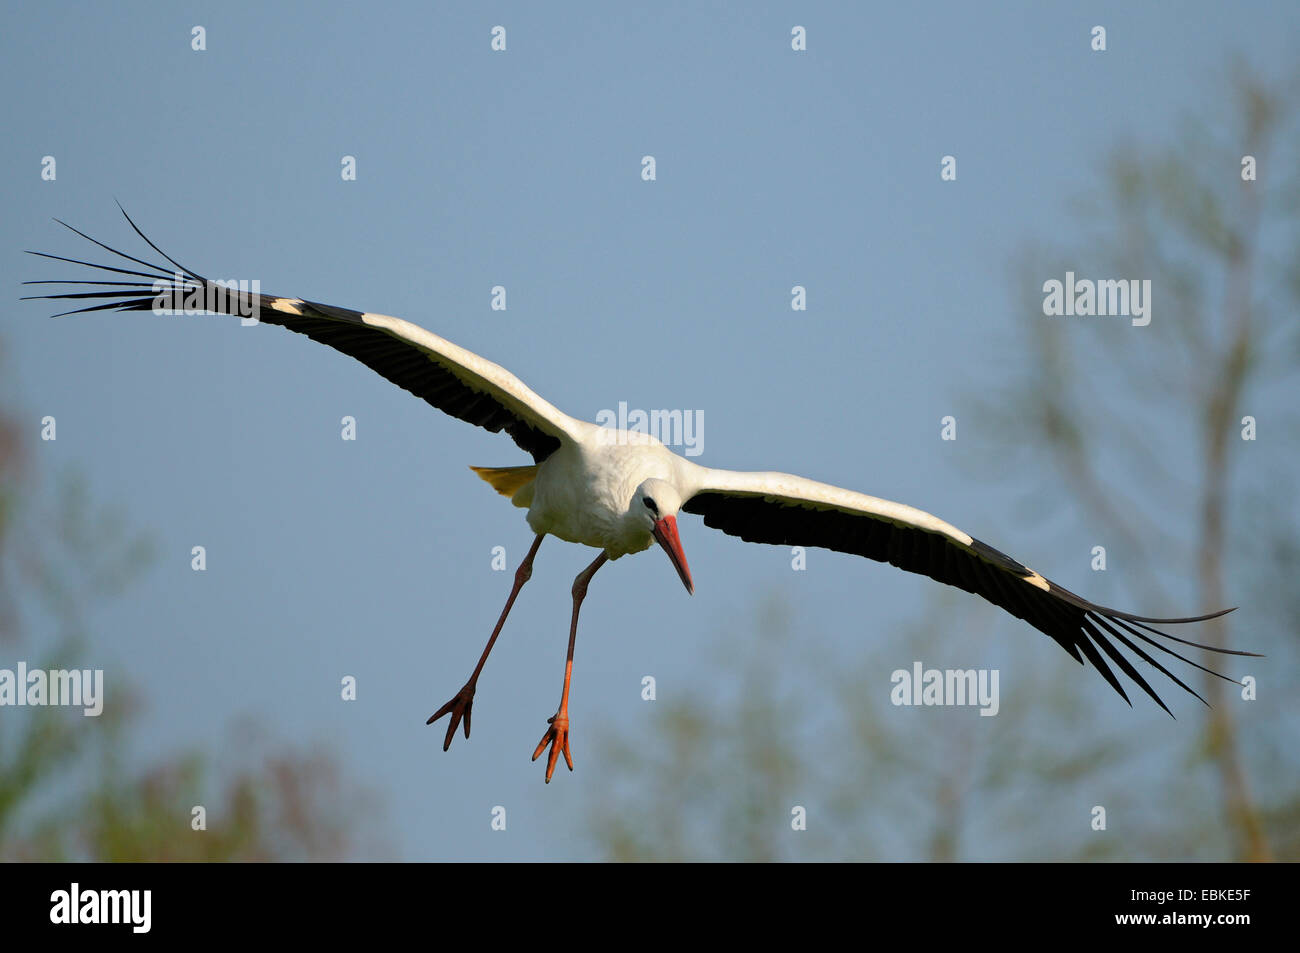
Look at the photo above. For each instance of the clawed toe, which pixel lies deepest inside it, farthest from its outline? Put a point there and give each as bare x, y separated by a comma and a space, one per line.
460, 706
557, 736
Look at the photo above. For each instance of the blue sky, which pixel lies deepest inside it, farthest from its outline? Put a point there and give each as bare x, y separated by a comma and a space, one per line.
475, 168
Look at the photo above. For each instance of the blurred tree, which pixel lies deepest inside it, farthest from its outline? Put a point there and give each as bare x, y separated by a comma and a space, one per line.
66, 791
1221, 353
877, 782
1224, 261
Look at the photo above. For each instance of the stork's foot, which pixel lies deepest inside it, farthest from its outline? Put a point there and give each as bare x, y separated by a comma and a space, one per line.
459, 707
557, 736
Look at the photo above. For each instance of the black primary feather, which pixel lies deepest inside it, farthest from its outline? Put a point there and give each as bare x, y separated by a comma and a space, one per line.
340, 328
1089, 632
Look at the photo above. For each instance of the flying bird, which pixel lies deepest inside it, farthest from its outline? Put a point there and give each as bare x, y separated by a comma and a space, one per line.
620, 492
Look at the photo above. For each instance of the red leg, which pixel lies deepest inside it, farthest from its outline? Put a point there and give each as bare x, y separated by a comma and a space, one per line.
557, 736
463, 701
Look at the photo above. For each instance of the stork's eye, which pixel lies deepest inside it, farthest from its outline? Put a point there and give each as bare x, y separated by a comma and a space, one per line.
651, 505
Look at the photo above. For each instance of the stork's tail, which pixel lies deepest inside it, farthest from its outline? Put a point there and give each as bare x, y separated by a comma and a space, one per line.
509, 481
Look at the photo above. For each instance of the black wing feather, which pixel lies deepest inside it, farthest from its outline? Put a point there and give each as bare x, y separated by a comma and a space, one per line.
340, 328
1077, 625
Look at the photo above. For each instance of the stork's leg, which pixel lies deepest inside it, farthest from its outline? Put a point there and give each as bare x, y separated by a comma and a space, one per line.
463, 702
557, 736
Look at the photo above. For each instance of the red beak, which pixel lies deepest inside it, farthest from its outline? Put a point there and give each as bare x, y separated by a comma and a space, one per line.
665, 532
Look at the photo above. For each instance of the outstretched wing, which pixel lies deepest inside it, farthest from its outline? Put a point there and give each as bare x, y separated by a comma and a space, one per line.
792, 511
454, 380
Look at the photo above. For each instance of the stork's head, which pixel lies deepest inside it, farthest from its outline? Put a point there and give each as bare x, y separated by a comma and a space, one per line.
655, 505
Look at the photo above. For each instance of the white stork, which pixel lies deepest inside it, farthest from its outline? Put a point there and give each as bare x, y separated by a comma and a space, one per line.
620, 492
